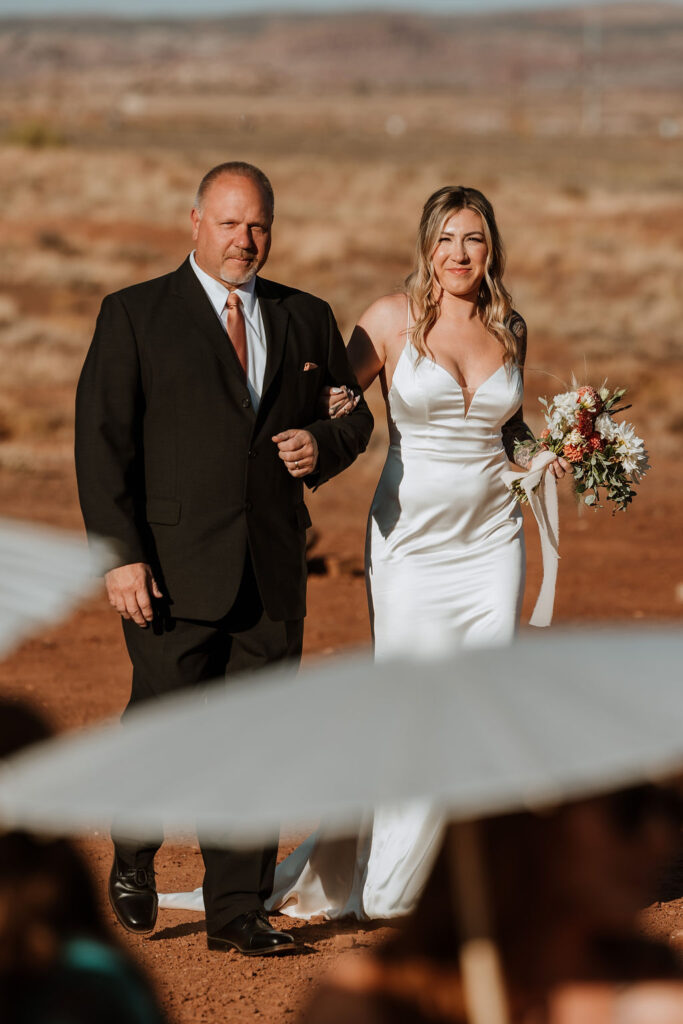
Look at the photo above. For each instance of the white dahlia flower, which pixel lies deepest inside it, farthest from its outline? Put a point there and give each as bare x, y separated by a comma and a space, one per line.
557, 425
567, 404
605, 426
631, 451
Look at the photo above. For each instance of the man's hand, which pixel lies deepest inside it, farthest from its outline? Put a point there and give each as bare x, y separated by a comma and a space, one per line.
130, 589
298, 451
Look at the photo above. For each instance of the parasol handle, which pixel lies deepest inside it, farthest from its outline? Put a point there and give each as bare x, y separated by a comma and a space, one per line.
482, 974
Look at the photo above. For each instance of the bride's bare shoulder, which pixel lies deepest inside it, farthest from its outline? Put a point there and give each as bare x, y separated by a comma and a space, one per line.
386, 319
387, 312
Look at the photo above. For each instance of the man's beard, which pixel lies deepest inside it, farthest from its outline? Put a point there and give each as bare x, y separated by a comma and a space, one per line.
249, 271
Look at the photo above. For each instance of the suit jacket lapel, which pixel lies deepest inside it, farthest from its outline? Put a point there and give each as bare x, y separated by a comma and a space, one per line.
275, 322
188, 287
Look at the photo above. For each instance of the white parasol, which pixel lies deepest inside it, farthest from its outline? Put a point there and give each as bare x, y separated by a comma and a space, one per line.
550, 718
44, 573
482, 732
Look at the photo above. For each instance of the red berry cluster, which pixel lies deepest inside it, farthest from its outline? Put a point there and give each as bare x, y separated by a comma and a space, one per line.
584, 423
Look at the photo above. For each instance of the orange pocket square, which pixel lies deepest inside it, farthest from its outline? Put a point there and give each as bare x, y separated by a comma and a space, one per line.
310, 366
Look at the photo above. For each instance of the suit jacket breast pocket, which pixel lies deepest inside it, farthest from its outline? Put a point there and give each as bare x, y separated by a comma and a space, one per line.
310, 376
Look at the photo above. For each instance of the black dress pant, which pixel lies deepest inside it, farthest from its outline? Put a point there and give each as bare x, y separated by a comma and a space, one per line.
174, 654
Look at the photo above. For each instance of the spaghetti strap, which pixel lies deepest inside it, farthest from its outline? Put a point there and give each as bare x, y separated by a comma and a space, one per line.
408, 348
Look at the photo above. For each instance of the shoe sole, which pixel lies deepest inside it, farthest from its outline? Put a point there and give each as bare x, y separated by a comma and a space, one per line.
223, 946
124, 924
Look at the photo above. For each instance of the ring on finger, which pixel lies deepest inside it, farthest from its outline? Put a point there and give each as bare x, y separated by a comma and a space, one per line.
296, 464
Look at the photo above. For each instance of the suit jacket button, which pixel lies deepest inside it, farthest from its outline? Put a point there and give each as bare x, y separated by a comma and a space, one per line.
246, 402
247, 506
251, 453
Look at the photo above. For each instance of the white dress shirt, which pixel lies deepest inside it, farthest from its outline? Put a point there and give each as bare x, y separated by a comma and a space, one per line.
257, 348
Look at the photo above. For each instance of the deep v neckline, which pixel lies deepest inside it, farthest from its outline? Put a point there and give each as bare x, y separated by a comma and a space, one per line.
461, 388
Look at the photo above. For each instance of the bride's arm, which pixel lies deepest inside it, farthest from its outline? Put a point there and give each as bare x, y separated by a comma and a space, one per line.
515, 432
367, 346
367, 349
518, 438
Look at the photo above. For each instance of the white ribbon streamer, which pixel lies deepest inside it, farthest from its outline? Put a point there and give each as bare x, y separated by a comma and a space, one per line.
541, 489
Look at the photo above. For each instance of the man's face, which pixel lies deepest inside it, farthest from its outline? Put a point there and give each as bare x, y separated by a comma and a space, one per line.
232, 232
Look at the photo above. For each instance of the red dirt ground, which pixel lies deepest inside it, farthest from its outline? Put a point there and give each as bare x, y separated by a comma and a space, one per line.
613, 569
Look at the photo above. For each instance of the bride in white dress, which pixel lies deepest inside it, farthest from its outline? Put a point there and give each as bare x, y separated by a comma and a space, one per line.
445, 548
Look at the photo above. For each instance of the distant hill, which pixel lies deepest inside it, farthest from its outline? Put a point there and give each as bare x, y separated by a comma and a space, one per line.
632, 46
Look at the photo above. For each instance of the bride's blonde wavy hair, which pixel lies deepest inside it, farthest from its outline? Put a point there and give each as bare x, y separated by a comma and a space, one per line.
422, 288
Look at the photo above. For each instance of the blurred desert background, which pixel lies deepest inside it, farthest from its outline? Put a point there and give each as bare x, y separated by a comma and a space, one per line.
570, 120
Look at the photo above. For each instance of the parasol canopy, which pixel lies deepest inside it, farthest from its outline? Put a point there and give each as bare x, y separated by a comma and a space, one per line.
550, 718
44, 574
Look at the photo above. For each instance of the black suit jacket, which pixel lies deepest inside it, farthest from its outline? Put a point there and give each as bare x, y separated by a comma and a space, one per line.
174, 464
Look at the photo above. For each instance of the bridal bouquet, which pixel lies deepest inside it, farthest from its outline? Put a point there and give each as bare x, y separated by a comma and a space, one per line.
604, 454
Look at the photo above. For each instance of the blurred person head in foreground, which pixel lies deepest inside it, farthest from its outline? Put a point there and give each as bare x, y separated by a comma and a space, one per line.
58, 963
566, 889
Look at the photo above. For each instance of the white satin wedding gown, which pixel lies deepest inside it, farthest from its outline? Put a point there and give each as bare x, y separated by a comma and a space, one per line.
445, 567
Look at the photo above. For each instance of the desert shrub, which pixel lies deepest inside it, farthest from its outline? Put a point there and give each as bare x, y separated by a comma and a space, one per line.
34, 134
54, 241
6, 431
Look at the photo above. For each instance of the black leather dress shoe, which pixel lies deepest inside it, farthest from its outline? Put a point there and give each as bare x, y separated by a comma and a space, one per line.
133, 897
252, 935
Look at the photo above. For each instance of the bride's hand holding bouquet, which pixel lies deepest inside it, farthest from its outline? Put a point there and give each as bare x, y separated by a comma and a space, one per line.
602, 454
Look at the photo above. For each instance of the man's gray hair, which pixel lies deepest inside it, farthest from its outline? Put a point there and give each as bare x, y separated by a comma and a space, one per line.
241, 169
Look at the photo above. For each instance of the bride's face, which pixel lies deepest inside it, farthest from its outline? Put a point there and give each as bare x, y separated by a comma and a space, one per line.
459, 259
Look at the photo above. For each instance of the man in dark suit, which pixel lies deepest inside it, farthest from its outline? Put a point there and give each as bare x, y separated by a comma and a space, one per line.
196, 426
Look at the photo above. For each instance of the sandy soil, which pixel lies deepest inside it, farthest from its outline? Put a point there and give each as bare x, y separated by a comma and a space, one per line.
613, 569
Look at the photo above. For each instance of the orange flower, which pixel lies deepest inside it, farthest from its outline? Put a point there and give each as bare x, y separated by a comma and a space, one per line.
596, 443
573, 453
545, 433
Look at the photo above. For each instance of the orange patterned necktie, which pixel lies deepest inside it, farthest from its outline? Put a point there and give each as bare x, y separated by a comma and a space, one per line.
237, 330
